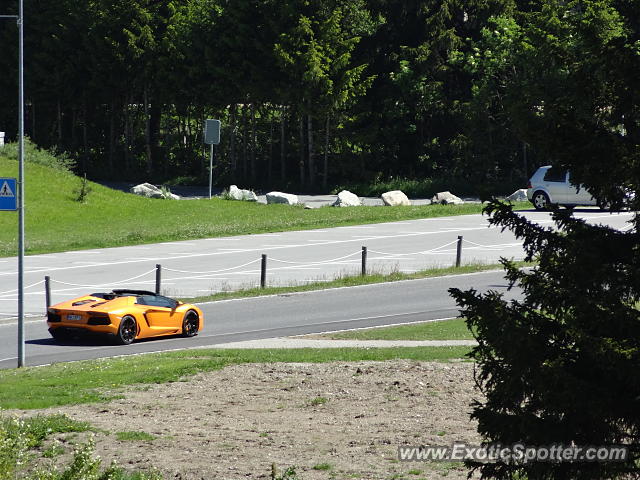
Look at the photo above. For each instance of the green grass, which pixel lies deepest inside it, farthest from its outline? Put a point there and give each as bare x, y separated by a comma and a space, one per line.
55, 221
132, 436
20, 442
318, 401
36, 429
349, 281
454, 329
322, 466
101, 380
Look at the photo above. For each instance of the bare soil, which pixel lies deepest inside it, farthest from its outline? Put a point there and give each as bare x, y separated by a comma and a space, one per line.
345, 419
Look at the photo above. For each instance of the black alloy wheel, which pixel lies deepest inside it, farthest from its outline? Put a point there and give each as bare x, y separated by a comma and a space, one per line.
127, 330
190, 324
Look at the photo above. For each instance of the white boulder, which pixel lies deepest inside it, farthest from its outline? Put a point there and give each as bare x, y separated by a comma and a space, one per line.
347, 199
151, 191
147, 190
240, 194
395, 198
279, 197
446, 198
518, 196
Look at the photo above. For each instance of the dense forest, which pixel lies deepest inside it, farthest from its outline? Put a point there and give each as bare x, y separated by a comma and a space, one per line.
313, 94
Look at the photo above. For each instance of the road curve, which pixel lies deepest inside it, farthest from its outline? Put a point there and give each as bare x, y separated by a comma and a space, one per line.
273, 316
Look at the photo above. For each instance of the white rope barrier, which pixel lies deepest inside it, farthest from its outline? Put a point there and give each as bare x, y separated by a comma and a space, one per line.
289, 264
27, 314
25, 288
104, 284
319, 262
211, 271
494, 247
423, 252
59, 291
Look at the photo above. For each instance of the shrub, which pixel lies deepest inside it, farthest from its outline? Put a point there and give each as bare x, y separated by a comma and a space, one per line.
33, 154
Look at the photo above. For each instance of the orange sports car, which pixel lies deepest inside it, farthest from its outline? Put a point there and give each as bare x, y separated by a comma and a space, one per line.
125, 314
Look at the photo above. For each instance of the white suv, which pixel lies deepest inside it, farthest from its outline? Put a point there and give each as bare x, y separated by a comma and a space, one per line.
552, 185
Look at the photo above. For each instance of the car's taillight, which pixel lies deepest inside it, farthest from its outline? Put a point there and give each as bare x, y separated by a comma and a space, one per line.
529, 185
53, 316
97, 318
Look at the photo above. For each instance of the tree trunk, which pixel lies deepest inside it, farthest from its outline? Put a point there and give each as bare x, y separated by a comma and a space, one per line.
33, 122
74, 124
325, 166
147, 131
155, 117
127, 135
253, 141
59, 112
232, 139
301, 163
283, 163
270, 159
244, 141
112, 136
312, 166
85, 136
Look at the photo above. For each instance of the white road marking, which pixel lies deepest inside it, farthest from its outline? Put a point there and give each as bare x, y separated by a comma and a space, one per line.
169, 257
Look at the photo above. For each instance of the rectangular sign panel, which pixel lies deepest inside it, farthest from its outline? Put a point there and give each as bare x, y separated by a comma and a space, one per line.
8, 194
212, 132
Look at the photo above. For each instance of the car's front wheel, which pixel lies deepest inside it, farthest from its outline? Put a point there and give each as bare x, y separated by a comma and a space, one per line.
127, 330
540, 200
190, 324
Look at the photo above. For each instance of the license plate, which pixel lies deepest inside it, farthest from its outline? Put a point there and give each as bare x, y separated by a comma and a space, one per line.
74, 318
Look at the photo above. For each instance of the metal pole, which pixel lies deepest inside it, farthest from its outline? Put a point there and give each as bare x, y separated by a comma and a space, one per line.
364, 261
263, 271
211, 169
21, 189
158, 277
459, 251
47, 291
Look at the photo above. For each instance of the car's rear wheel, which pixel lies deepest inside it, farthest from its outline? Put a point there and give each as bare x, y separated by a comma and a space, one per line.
127, 330
60, 334
190, 324
540, 201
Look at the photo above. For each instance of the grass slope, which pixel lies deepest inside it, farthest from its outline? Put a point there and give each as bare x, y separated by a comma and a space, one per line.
100, 380
55, 221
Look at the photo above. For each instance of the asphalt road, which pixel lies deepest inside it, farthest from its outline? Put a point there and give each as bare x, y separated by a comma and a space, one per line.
273, 316
201, 266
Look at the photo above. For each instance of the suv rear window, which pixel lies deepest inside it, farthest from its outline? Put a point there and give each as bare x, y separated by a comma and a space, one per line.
555, 175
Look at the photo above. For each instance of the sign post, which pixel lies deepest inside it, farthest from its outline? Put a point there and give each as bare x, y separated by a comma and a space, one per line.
211, 137
20, 186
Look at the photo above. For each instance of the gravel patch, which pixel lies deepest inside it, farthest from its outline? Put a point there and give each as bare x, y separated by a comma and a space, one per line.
345, 419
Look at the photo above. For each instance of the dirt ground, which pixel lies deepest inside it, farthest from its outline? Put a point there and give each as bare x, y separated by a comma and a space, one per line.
345, 419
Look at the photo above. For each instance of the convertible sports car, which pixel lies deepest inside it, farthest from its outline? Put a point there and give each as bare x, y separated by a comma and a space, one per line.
125, 314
